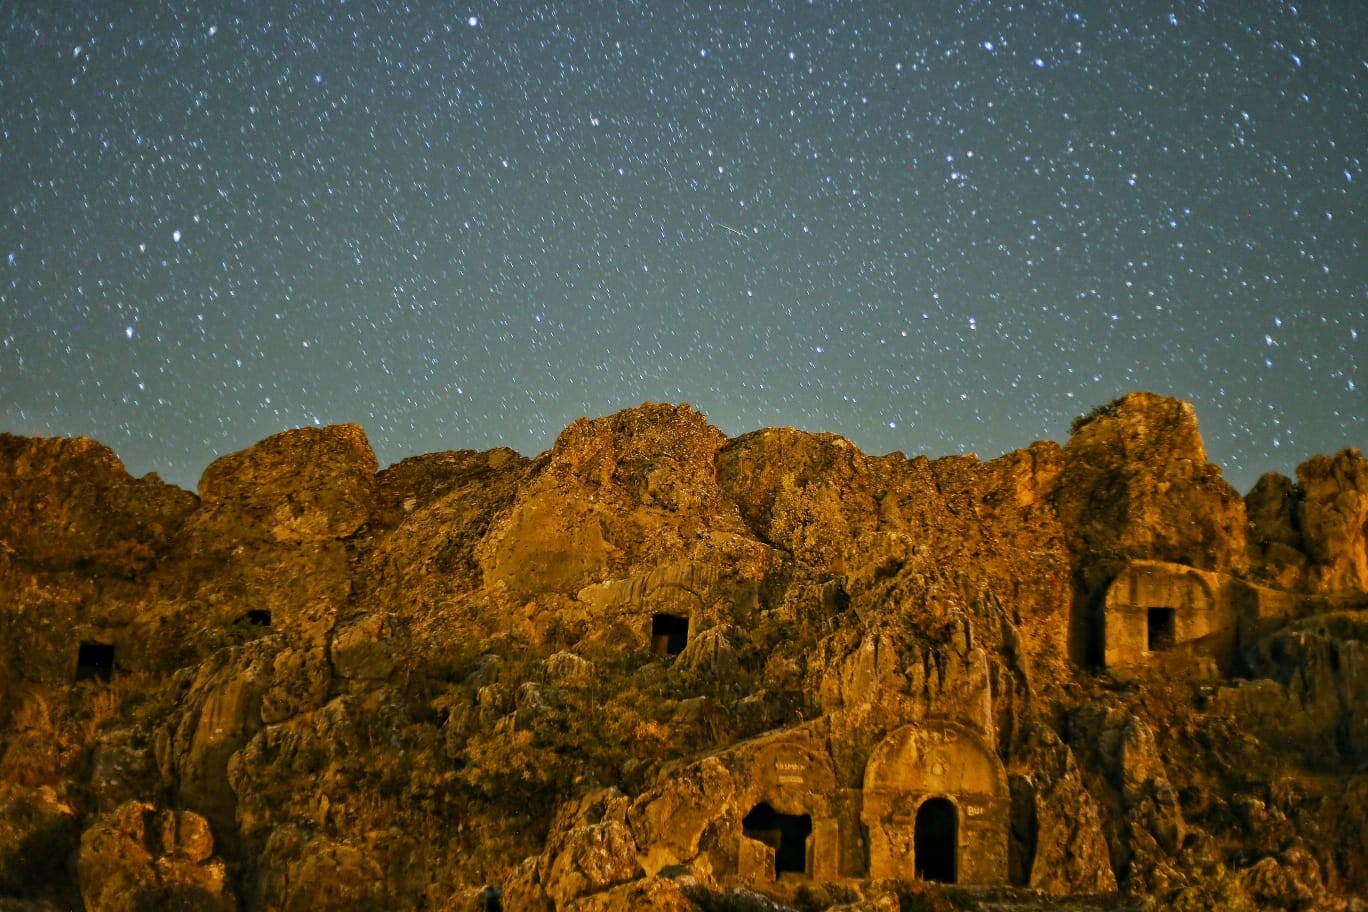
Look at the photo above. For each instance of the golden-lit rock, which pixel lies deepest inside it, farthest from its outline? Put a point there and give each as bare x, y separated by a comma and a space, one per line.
657, 668
137, 857
69, 504
309, 484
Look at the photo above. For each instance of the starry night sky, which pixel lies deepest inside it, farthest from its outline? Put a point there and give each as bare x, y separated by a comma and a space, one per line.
931, 227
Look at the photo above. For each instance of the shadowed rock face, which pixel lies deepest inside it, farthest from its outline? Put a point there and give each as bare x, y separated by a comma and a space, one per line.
68, 504
658, 668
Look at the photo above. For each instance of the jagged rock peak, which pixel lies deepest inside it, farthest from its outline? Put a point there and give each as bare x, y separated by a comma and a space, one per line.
305, 484
1136, 484
1139, 423
291, 458
1333, 518
653, 667
650, 430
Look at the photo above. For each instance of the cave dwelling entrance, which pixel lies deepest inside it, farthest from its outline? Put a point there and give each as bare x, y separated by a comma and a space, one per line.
669, 634
787, 834
94, 661
1159, 629
935, 840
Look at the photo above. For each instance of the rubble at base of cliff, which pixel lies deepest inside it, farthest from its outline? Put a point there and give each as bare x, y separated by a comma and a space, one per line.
658, 668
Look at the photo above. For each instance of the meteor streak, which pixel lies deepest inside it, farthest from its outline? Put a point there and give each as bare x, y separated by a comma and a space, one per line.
740, 234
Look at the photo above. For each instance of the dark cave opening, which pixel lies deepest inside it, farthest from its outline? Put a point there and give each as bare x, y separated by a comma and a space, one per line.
669, 634
94, 661
1159, 628
934, 840
785, 833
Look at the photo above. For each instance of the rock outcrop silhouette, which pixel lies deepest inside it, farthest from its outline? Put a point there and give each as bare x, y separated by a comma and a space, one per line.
655, 667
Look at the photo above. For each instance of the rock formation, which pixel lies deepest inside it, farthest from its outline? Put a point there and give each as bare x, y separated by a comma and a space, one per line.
655, 667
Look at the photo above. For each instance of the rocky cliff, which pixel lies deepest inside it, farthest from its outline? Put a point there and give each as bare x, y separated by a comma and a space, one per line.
655, 667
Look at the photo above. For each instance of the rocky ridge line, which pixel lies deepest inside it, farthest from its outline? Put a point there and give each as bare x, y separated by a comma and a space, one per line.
628, 672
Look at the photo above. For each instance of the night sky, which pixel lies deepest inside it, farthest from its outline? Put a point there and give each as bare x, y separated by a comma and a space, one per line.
931, 227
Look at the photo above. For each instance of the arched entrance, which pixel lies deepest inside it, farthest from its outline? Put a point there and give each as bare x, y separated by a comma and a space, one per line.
936, 805
787, 834
935, 840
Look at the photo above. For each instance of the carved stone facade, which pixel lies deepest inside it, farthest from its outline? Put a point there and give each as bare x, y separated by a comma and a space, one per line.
1152, 607
936, 806
793, 814
1155, 608
933, 805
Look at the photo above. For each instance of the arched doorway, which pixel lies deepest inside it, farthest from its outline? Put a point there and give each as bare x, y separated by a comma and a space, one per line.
787, 834
935, 840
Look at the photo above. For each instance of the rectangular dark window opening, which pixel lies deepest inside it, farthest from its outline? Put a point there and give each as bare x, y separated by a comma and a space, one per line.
669, 634
1160, 629
95, 661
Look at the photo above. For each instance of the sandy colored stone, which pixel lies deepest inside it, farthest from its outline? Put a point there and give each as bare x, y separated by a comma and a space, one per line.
137, 857
655, 667
309, 484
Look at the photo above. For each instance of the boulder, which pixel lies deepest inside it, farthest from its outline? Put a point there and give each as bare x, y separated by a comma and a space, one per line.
310, 484
139, 857
1056, 825
1333, 520
303, 871
1277, 550
590, 848
1136, 484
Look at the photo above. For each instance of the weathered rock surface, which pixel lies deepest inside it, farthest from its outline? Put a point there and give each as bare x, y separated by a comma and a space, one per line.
68, 504
313, 484
658, 668
1311, 535
136, 857
1333, 519
1136, 484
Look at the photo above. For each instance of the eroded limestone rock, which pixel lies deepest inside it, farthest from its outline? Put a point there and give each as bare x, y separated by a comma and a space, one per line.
657, 668
138, 857
69, 504
310, 484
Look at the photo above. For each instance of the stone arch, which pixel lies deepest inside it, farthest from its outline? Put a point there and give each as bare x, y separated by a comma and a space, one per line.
788, 819
951, 768
935, 840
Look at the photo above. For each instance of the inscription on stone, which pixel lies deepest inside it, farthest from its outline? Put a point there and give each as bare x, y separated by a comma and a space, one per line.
790, 772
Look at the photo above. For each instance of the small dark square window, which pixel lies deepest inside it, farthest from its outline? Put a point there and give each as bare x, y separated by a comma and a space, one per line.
669, 634
95, 661
1160, 629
